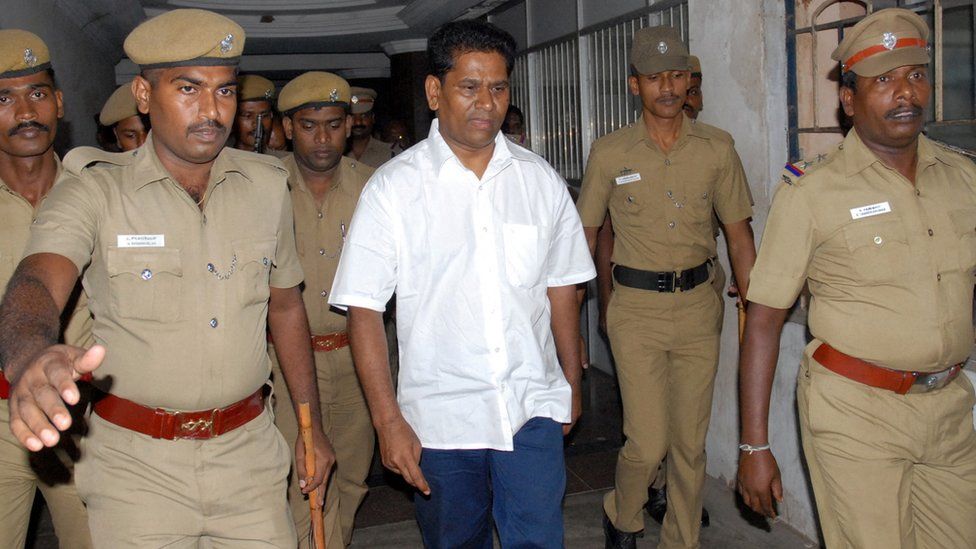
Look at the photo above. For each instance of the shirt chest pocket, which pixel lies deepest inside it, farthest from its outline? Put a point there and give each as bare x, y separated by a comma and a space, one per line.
964, 223
524, 254
879, 249
254, 259
145, 283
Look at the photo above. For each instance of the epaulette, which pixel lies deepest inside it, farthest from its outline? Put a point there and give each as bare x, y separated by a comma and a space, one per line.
80, 158
792, 172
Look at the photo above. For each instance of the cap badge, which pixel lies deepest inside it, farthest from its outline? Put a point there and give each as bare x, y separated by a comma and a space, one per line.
889, 41
662, 47
29, 58
355, 99
334, 95
227, 43
268, 94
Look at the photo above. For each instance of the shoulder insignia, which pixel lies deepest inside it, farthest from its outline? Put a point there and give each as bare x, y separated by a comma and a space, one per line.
792, 172
80, 158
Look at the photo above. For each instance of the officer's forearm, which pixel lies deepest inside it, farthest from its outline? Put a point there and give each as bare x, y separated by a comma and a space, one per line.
371, 357
757, 366
565, 323
30, 315
604, 251
289, 330
742, 253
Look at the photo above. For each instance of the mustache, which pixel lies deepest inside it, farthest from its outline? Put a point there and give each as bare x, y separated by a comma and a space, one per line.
914, 110
207, 124
28, 126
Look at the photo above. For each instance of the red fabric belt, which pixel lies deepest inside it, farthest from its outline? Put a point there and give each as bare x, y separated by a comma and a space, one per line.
5, 385
327, 342
899, 381
159, 423
874, 50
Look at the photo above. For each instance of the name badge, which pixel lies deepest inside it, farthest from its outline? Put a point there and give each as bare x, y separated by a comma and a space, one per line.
141, 240
629, 178
868, 211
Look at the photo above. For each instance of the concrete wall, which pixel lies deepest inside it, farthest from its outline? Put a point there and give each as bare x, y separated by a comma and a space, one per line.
744, 66
85, 73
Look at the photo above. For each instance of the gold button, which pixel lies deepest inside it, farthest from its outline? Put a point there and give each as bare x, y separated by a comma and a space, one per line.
878, 240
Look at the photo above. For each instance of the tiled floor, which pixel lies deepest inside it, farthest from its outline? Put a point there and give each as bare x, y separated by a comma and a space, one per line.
386, 517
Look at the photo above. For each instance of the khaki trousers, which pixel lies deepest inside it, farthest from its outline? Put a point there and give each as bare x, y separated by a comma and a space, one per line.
889, 471
666, 350
346, 421
21, 475
228, 491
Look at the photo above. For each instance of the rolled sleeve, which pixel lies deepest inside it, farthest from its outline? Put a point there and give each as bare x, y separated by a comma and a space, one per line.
785, 251
366, 276
569, 260
287, 269
67, 222
595, 191
733, 200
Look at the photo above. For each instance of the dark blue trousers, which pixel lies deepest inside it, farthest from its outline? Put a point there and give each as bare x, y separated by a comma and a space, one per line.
520, 491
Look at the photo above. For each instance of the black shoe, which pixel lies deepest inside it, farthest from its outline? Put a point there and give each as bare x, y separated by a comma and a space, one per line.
657, 506
617, 539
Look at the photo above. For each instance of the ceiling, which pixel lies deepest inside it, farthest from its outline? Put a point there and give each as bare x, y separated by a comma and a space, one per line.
353, 38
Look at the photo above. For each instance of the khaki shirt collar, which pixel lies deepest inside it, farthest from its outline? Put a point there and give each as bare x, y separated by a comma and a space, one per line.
147, 167
295, 178
859, 157
638, 132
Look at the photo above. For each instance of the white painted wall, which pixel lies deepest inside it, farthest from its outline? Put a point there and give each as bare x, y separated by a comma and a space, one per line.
84, 72
744, 86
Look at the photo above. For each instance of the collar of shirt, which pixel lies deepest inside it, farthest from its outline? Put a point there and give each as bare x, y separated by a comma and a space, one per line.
441, 153
296, 179
859, 157
149, 169
638, 133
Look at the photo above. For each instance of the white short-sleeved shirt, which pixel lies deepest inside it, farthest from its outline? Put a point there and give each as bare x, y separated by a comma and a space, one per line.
470, 261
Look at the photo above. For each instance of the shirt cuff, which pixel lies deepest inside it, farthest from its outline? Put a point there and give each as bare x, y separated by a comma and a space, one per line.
577, 278
775, 292
344, 301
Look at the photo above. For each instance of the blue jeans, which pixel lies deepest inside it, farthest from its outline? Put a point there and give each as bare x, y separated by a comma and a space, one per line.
523, 490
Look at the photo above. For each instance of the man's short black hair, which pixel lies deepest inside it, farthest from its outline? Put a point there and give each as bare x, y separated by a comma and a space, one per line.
848, 79
459, 37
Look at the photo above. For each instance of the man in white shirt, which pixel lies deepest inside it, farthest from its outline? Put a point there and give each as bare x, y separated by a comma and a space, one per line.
484, 248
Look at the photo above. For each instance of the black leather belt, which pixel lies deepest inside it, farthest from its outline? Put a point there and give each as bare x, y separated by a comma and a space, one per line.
662, 281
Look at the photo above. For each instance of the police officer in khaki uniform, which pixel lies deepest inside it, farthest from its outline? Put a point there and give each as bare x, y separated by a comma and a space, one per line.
29, 113
188, 254
121, 114
255, 98
325, 187
884, 232
661, 179
362, 145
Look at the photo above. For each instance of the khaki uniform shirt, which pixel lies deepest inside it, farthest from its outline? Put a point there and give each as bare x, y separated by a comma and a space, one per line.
16, 216
320, 234
377, 153
179, 294
890, 265
661, 205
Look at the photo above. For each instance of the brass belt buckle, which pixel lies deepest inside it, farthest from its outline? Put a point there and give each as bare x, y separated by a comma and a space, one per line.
200, 428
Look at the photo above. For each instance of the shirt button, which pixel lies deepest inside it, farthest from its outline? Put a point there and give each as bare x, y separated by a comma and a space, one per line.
213, 322
324, 293
918, 192
321, 251
204, 219
265, 261
146, 274
931, 232
878, 240
938, 277
320, 215
498, 349
484, 229
671, 225
667, 161
210, 267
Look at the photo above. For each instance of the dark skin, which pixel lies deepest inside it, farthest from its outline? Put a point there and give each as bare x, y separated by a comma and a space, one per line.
318, 136
30, 108
471, 102
130, 133
888, 115
694, 102
246, 122
190, 109
276, 139
362, 132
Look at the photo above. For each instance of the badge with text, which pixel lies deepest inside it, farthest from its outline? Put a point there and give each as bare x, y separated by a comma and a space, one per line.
627, 176
872, 209
141, 240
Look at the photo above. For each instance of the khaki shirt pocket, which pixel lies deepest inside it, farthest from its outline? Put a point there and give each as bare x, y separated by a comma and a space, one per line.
628, 204
523, 254
879, 248
255, 259
964, 223
145, 283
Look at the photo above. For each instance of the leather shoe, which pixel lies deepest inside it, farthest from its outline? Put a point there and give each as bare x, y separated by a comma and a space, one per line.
657, 506
617, 539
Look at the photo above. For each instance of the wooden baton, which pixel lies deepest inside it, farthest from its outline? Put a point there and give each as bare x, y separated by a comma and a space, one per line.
318, 521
